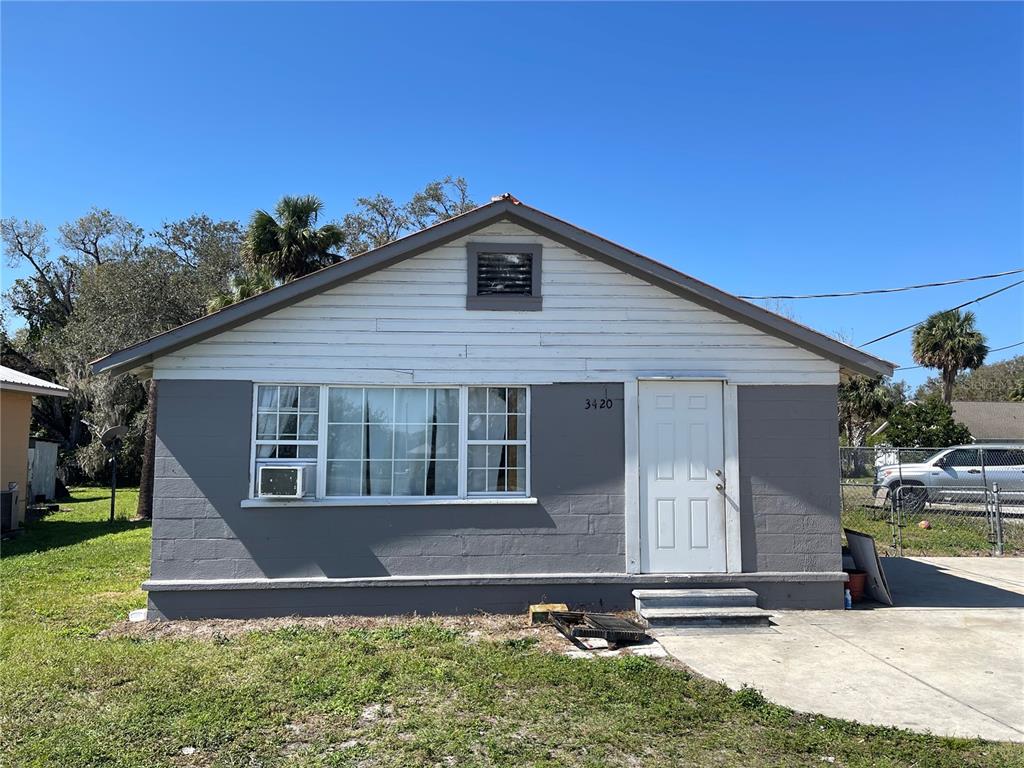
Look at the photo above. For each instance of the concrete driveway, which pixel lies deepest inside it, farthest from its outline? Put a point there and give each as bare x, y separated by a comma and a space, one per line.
948, 658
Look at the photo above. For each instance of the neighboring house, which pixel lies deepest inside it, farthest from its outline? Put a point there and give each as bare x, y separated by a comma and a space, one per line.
991, 420
497, 409
16, 392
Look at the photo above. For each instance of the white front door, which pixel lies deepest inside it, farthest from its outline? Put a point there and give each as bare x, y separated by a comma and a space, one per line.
682, 463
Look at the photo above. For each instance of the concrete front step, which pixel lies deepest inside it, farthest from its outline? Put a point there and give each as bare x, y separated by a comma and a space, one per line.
694, 598
687, 617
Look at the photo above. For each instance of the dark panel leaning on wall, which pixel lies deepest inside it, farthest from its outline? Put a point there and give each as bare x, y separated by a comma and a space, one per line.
202, 474
789, 478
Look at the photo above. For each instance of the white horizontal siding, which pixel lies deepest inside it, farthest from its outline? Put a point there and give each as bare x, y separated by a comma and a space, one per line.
409, 324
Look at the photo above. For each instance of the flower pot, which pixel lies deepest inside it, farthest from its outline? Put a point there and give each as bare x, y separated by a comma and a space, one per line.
856, 583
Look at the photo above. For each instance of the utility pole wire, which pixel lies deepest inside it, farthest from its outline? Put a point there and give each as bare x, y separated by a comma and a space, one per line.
887, 290
997, 349
953, 309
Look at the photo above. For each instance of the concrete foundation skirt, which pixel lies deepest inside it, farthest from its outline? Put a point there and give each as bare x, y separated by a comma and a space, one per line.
252, 598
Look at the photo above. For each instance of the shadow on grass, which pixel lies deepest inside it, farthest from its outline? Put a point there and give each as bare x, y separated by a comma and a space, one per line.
43, 535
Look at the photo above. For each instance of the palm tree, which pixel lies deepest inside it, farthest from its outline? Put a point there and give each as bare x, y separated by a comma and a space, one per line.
863, 401
290, 244
244, 286
950, 342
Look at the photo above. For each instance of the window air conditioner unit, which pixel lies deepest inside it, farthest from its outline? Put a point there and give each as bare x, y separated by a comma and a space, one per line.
280, 482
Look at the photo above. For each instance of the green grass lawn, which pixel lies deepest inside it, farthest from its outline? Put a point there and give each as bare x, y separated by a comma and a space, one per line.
953, 532
949, 535
407, 694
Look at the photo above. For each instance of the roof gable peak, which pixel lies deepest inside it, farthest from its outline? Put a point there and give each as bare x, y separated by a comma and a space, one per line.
503, 207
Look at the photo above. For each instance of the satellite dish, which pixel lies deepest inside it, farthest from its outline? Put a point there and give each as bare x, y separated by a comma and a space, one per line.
112, 435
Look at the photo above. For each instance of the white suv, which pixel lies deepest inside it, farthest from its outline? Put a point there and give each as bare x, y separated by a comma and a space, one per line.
957, 472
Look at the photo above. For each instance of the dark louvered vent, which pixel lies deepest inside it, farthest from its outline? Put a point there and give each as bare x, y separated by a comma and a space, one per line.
504, 274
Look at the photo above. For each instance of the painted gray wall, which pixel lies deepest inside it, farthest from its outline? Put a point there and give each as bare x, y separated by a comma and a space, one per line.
790, 513
789, 478
202, 471
453, 599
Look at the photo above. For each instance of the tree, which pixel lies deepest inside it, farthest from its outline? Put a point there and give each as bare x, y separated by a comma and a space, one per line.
925, 423
291, 245
108, 287
122, 302
950, 342
379, 220
439, 201
242, 286
863, 402
144, 509
101, 283
101, 236
1017, 392
46, 297
202, 244
991, 382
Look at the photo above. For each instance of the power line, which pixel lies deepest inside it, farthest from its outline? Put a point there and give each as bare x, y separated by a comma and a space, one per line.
953, 309
997, 349
887, 290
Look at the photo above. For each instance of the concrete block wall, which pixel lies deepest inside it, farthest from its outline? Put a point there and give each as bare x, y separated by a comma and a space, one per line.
789, 478
788, 475
202, 474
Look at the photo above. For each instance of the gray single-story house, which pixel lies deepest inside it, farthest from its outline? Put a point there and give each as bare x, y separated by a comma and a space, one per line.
500, 409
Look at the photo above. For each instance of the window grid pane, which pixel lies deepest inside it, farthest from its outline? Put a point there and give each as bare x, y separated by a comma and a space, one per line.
496, 453
397, 441
392, 441
287, 421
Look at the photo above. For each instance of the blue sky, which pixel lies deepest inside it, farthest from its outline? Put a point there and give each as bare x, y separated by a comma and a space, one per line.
763, 148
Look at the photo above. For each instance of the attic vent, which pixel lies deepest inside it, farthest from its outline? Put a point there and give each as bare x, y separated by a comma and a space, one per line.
504, 276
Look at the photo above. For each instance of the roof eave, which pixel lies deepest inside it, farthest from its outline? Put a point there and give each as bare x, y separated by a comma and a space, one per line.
33, 390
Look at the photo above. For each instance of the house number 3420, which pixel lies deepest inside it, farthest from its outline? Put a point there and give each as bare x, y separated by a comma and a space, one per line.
598, 404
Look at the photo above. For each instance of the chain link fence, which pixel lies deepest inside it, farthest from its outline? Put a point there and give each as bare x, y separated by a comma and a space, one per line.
931, 501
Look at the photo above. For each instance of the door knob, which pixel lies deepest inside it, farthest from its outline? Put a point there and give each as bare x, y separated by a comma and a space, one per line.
719, 487
718, 473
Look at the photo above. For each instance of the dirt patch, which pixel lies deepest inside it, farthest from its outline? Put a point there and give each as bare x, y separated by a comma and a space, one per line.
515, 630
478, 627
302, 733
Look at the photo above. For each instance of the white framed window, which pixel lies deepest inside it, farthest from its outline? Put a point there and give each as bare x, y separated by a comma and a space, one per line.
497, 440
399, 442
286, 428
287, 421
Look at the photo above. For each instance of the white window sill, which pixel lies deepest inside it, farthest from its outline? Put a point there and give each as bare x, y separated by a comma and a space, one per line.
384, 501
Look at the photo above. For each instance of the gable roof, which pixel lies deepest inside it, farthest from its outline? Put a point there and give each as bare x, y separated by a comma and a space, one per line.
17, 381
504, 208
989, 420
